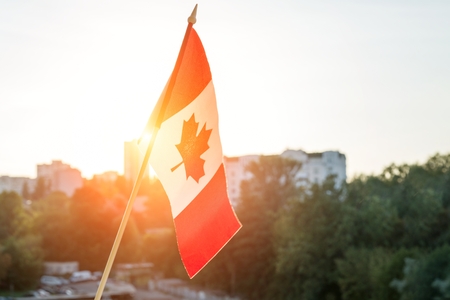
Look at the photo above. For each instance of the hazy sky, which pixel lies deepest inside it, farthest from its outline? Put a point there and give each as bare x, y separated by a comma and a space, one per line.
368, 78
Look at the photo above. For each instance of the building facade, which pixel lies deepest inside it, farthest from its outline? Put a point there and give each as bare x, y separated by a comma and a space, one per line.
236, 173
316, 167
60, 177
17, 184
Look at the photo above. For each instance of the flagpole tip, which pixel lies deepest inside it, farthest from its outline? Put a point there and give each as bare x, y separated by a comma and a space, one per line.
192, 19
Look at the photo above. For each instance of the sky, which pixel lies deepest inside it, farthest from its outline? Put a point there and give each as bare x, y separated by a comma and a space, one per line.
370, 79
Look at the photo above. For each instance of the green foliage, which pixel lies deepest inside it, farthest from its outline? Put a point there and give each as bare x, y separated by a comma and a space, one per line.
81, 228
93, 228
273, 184
52, 219
372, 222
361, 271
20, 250
26, 194
130, 250
13, 219
438, 164
420, 277
246, 266
161, 248
446, 191
26, 261
42, 189
393, 271
381, 237
5, 263
418, 210
310, 237
394, 174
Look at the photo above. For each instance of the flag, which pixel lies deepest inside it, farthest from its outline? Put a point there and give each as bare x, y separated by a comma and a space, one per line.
187, 158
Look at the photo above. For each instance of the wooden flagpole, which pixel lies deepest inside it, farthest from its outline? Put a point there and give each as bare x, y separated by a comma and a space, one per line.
137, 183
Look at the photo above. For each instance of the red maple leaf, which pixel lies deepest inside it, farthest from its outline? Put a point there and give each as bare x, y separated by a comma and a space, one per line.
191, 147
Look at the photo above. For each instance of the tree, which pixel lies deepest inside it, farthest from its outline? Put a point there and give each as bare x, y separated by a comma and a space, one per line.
26, 261
157, 213
52, 219
20, 251
13, 219
42, 189
427, 270
310, 237
93, 226
446, 192
123, 186
5, 264
360, 273
393, 272
26, 194
161, 248
252, 251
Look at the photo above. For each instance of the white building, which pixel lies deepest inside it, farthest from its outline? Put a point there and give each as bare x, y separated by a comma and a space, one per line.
60, 177
235, 173
316, 167
16, 184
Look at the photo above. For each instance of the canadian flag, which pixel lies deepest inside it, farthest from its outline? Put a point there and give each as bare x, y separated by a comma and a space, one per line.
187, 158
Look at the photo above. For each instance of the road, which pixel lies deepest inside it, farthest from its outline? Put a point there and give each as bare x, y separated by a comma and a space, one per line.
138, 295
90, 288
153, 295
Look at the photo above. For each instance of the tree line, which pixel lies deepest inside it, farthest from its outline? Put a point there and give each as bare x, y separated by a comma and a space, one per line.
383, 236
82, 228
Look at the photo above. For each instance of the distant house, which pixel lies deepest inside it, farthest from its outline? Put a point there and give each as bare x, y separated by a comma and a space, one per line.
60, 177
236, 173
57, 175
16, 184
316, 167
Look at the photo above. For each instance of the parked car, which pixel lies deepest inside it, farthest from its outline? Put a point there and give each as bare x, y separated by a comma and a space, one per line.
40, 293
47, 280
81, 276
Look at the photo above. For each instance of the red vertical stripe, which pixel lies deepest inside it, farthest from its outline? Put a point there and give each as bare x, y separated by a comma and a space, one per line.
206, 224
